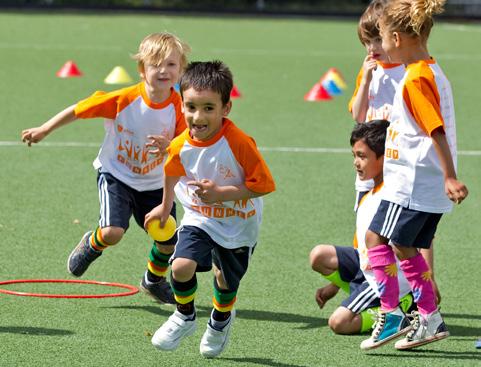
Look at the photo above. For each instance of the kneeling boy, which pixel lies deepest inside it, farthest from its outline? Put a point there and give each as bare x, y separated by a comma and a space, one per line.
348, 267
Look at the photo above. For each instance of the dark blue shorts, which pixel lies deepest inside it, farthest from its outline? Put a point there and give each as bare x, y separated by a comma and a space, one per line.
362, 296
118, 202
404, 226
195, 244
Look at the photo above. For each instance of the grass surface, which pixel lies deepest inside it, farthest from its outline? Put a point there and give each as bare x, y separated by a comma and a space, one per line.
49, 195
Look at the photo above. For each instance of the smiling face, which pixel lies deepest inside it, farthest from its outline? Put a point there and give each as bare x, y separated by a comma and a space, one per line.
159, 79
204, 112
367, 164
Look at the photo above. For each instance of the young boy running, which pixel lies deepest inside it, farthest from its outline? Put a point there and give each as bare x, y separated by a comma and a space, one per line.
140, 121
219, 177
348, 267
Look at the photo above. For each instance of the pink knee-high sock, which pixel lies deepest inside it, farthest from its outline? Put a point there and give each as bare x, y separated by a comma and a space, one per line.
418, 275
383, 264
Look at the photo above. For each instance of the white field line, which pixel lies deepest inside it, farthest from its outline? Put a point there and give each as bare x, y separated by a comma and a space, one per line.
73, 144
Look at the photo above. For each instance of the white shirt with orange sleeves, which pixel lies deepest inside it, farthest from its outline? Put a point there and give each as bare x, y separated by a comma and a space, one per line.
130, 116
382, 89
229, 158
413, 176
365, 213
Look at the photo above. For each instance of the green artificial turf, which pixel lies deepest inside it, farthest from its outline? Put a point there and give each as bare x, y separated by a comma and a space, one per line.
49, 195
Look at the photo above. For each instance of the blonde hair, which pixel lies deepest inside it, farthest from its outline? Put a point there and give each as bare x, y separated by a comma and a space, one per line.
368, 27
413, 17
157, 46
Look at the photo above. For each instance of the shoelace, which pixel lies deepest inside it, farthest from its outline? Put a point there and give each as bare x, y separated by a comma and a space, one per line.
415, 323
379, 321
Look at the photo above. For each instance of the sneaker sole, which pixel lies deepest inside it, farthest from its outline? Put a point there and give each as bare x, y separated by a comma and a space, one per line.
387, 340
176, 345
431, 339
147, 292
74, 251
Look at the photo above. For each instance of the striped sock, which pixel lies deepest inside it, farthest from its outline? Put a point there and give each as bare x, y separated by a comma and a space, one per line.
184, 294
157, 265
96, 240
223, 302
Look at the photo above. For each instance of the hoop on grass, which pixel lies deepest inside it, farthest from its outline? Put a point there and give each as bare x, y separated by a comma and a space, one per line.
131, 289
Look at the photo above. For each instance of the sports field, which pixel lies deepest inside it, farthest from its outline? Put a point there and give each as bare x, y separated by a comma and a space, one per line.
49, 194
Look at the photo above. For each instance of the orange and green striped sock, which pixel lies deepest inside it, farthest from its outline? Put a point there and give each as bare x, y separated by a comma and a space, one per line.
184, 294
97, 242
158, 264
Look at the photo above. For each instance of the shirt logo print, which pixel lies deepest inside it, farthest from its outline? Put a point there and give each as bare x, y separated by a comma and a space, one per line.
226, 172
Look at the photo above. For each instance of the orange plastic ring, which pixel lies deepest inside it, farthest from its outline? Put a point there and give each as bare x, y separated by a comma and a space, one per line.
132, 290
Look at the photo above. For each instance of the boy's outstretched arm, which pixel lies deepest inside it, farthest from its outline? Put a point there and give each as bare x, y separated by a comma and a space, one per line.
455, 190
162, 211
209, 192
36, 134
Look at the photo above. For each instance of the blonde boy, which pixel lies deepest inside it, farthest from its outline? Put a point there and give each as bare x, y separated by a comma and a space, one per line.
140, 121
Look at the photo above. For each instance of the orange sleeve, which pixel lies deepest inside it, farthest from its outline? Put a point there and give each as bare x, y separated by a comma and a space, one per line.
421, 96
106, 105
180, 124
173, 166
358, 83
258, 178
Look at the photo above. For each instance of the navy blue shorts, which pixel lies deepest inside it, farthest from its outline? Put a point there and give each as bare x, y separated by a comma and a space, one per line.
403, 226
118, 202
195, 244
362, 296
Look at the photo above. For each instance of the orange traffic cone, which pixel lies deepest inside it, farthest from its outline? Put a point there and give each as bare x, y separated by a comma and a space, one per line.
317, 93
68, 70
234, 93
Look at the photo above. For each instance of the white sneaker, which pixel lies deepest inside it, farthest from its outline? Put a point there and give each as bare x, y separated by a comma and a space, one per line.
171, 333
213, 341
424, 331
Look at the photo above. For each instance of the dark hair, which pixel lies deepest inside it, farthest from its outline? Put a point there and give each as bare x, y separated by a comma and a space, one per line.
208, 75
373, 133
368, 27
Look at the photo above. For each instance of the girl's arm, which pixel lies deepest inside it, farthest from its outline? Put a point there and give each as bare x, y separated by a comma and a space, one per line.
455, 190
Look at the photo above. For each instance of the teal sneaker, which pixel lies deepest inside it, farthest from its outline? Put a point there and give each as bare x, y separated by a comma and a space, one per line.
387, 326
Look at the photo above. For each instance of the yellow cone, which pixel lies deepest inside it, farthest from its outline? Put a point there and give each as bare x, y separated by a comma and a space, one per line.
118, 75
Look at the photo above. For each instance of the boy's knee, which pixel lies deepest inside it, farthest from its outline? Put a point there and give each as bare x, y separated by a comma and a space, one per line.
320, 258
338, 323
112, 235
183, 269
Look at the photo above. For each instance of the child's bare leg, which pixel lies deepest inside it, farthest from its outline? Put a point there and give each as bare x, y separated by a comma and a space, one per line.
323, 260
344, 321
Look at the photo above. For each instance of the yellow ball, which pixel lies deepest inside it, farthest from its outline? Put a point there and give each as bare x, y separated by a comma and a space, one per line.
162, 234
